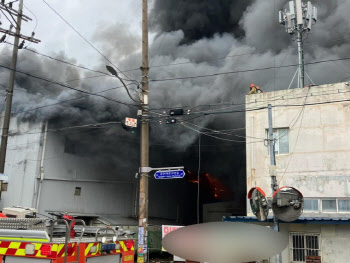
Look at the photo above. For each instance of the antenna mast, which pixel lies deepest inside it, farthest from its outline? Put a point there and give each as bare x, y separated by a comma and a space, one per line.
299, 19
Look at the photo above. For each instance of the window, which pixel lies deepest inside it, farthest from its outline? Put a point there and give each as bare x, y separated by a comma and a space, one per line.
343, 205
304, 245
281, 137
311, 205
329, 205
4, 187
77, 191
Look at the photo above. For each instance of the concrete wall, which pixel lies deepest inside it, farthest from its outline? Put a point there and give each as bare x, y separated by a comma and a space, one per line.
319, 145
335, 241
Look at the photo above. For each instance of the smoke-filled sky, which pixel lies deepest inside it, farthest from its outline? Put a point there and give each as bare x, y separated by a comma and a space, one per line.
187, 38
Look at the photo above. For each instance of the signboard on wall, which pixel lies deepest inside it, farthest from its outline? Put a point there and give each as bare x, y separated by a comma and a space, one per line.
166, 229
131, 122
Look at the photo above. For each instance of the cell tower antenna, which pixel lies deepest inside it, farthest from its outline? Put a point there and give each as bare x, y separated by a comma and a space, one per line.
299, 19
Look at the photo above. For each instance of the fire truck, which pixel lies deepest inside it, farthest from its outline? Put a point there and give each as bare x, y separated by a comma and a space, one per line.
60, 240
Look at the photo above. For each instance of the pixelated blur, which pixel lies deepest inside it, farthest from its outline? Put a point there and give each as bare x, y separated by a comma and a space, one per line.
225, 242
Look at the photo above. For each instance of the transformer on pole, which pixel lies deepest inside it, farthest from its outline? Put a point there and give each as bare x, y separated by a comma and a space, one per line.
299, 19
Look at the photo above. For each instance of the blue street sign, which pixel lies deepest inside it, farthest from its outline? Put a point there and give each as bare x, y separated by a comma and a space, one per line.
171, 174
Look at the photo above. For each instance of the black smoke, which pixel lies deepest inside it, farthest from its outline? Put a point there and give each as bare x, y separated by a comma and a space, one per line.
198, 19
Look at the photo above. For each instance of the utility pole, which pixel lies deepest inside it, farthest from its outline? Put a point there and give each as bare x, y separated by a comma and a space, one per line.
143, 195
274, 184
9, 94
299, 19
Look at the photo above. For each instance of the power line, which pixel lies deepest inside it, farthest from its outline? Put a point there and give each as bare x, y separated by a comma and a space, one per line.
232, 56
244, 71
69, 128
36, 19
216, 137
59, 102
296, 140
212, 131
66, 62
7, 17
12, 16
87, 41
68, 87
263, 107
205, 60
274, 98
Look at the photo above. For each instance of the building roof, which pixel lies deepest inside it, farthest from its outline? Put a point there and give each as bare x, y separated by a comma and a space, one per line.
301, 220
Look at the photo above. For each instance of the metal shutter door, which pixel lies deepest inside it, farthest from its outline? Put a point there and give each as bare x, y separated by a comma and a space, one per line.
25, 260
104, 259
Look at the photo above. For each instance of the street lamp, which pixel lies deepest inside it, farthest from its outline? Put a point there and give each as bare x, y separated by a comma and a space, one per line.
115, 73
144, 150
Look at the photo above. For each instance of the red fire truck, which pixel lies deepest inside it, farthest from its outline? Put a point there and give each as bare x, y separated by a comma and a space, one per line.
40, 240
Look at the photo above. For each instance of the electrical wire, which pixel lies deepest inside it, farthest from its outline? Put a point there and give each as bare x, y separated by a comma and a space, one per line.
91, 125
58, 103
212, 131
216, 137
8, 11
295, 144
69, 87
7, 18
274, 98
87, 41
254, 109
36, 19
243, 110
66, 62
230, 56
244, 71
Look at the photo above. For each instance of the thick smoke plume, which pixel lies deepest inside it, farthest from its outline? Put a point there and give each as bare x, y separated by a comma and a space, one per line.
192, 38
198, 19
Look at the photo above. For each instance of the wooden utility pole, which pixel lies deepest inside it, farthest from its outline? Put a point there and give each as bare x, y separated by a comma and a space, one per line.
143, 195
9, 93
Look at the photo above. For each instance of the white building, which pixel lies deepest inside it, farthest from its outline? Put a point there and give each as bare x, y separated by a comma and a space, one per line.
45, 174
312, 131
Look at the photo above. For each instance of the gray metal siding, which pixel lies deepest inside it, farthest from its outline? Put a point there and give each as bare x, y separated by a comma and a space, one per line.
100, 198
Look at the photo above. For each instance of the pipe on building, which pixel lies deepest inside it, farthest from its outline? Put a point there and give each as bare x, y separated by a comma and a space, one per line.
41, 167
252, 156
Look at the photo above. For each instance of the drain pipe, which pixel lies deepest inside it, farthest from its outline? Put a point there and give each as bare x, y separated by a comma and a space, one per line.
41, 167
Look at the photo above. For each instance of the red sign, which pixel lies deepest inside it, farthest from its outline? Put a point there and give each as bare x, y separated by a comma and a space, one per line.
131, 122
167, 229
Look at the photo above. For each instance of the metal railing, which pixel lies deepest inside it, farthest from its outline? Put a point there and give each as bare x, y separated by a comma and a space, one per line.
303, 245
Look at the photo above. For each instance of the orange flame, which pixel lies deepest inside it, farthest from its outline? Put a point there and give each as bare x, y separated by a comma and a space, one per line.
217, 189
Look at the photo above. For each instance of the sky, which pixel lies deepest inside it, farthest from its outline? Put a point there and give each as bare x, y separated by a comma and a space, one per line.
85, 16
